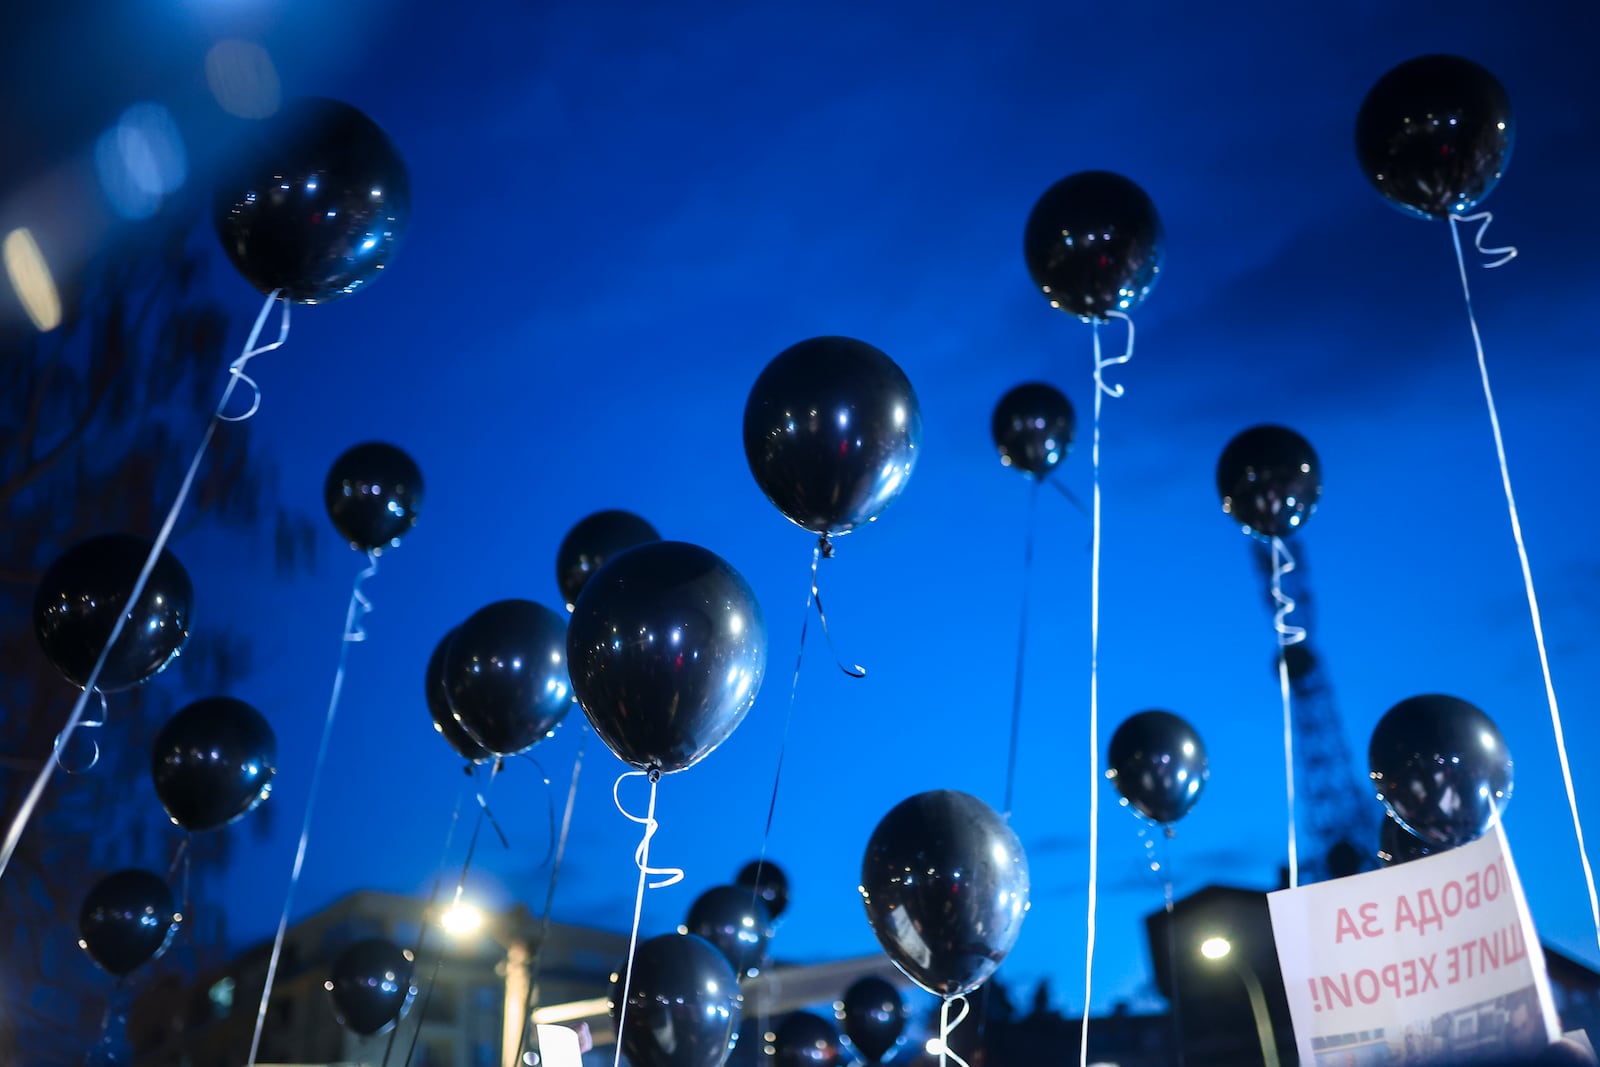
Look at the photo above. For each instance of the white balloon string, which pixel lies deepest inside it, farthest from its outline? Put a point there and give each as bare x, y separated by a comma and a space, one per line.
1503, 255
641, 857
1282, 564
30, 802
1522, 551
94, 746
947, 1027
358, 606
825, 550
1022, 646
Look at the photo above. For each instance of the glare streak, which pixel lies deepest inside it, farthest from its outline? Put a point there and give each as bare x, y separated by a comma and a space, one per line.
30, 277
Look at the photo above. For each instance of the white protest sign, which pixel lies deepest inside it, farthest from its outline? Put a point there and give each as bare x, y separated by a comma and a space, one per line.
1436, 957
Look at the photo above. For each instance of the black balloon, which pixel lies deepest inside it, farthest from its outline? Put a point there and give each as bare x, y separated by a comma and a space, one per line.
832, 431
505, 674
80, 596
1093, 244
1434, 135
668, 646
1158, 764
594, 540
734, 919
1441, 768
1033, 426
945, 884
683, 1004
1269, 479
371, 986
438, 699
1397, 845
874, 1017
372, 493
806, 1040
213, 762
315, 204
128, 919
769, 883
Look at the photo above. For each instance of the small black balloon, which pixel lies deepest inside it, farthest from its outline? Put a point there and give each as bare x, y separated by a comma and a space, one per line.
505, 674
372, 493
128, 919
315, 204
832, 432
1397, 845
1434, 135
945, 884
769, 883
438, 699
1269, 479
683, 1002
874, 1017
594, 540
1033, 426
1158, 764
1441, 768
80, 596
734, 919
806, 1040
1093, 244
668, 647
371, 986
213, 763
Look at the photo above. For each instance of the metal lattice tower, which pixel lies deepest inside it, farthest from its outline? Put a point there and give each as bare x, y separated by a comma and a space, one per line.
1334, 814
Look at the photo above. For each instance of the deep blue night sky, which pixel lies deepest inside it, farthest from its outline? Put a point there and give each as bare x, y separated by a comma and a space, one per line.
621, 214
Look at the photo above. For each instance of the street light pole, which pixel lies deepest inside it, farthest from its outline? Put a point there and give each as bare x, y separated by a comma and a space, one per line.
1218, 948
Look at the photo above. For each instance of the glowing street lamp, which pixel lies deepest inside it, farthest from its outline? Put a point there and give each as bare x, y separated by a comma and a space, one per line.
1220, 948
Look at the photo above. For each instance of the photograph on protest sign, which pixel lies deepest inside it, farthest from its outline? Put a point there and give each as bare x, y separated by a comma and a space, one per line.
1434, 960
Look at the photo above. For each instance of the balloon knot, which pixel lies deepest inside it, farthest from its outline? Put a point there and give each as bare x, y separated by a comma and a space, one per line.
825, 546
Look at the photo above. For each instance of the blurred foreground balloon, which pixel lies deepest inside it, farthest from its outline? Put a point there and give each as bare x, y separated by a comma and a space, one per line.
806, 1040
683, 1004
80, 596
874, 1017
1397, 845
1158, 764
594, 540
1269, 479
505, 674
1441, 768
372, 493
1434, 135
668, 647
213, 763
832, 431
736, 921
945, 884
371, 986
769, 883
128, 919
438, 700
1093, 245
1033, 426
315, 204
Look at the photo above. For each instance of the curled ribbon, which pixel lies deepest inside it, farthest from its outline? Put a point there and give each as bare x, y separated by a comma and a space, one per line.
1101, 363
1505, 254
252, 349
1282, 564
947, 1027
641, 855
360, 605
824, 550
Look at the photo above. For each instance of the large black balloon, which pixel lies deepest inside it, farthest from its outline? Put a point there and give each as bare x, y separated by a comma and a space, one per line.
371, 986
832, 431
806, 1040
734, 919
438, 699
1033, 426
768, 882
1441, 768
1434, 135
683, 1003
874, 1017
128, 919
1397, 845
80, 596
315, 204
505, 674
373, 492
667, 646
1269, 479
1093, 244
945, 884
1158, 764
594, 540
213, 762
